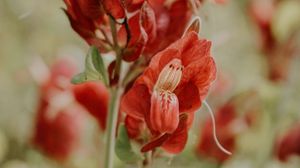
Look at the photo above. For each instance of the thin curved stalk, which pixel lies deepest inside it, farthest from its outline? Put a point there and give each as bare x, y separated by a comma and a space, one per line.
215, 130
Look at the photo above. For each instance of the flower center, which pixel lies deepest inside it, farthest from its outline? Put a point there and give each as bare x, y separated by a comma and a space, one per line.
170, 76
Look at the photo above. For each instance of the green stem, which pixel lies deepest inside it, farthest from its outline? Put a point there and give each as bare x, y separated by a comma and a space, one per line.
111, 127
113, 30
118, 63
116, 47
115, 93
148, 160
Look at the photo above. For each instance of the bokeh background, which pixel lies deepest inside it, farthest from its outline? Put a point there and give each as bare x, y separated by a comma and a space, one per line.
34, 30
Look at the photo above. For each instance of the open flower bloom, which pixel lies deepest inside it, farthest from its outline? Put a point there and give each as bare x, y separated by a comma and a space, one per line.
170, 90
288, 144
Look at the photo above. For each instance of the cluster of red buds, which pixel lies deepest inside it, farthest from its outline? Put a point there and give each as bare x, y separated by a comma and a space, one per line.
141, 27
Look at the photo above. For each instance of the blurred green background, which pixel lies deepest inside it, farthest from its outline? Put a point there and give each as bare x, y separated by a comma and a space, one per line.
39, 28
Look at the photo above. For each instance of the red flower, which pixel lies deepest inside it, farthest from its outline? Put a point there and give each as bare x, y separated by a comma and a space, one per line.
59, 136
135, 128
170, 90
278, 53
86, 18
169, 28
58, 122
133, 5
288, 144
59, 77
132, 39
94, 97
113, 8
153, 27
262, 14
61, 105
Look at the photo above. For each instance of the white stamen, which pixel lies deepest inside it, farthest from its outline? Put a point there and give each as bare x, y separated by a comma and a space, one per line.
214, 129
170, 76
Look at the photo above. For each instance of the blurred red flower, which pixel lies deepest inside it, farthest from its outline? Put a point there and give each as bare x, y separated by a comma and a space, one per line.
278, 53
57, 136
172, 88
61, 105
288, 144
232, 118
58, 123
94, 97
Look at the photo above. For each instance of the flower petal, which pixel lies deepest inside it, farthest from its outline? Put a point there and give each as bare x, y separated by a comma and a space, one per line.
201, 73
173, 143
177, 141
90, 8
188, 96
288, 144
155, 143
156, 65
133, 5
175, 50
180, 15
148, 21
60, 136
172, 19
136, 102
137, 38
134, 126
85, 17
114, 8
164, 113
94, 97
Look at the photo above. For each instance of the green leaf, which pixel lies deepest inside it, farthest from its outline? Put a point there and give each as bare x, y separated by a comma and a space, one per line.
79, 78
94, 69
123, 147
98, 63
